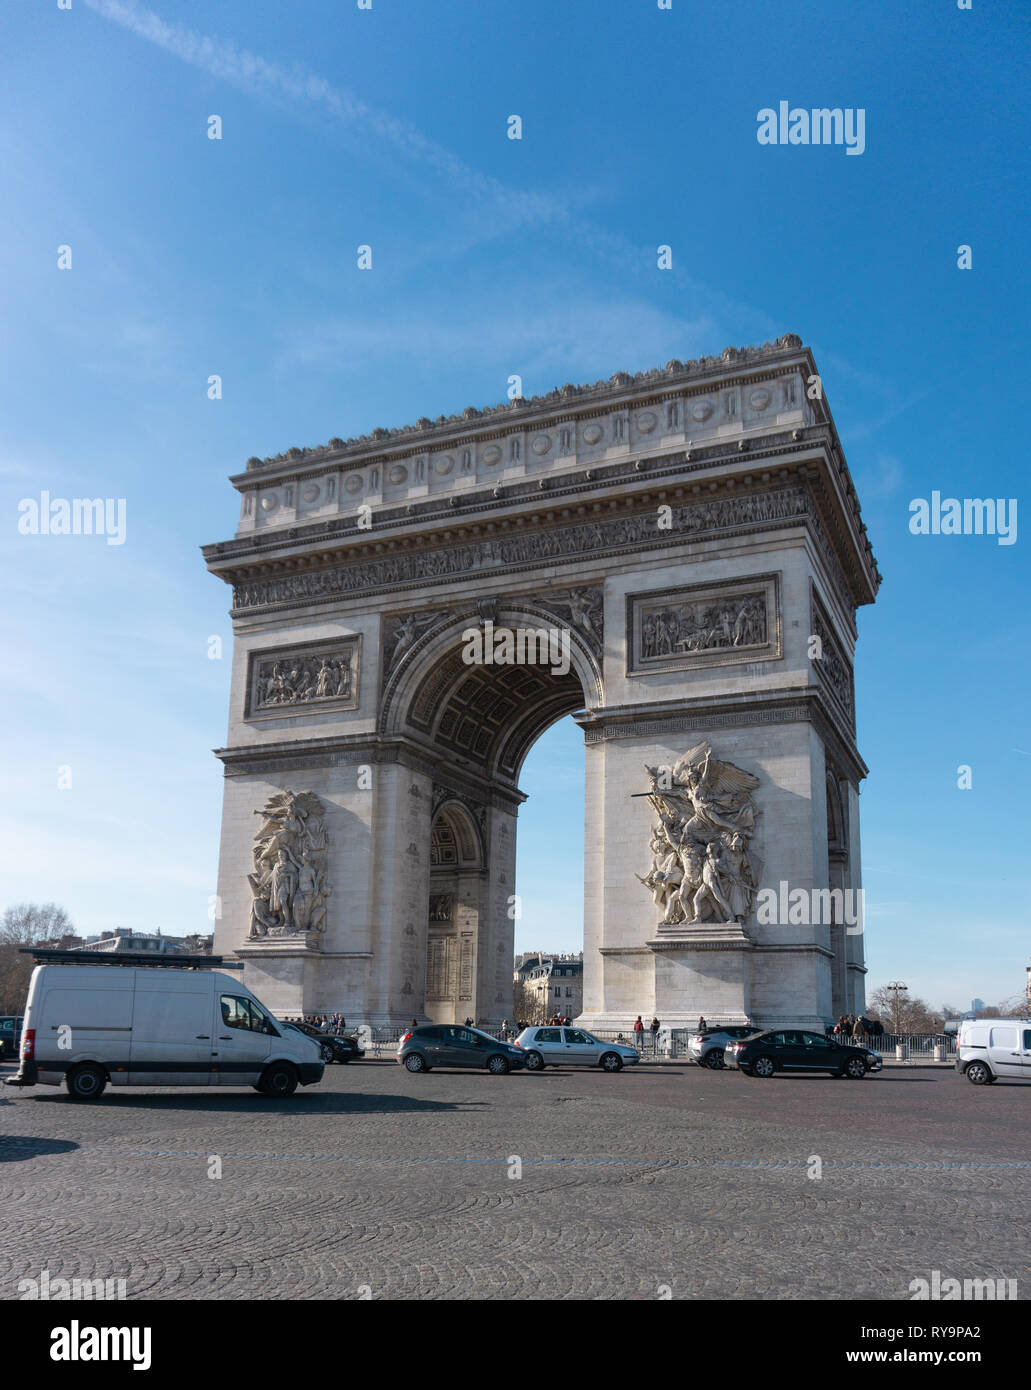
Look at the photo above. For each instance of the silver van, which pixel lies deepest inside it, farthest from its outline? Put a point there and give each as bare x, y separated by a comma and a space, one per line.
993, 1049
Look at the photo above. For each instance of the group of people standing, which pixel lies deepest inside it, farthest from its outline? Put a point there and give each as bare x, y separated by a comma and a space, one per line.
849, 1026
639, 1030
325, 1023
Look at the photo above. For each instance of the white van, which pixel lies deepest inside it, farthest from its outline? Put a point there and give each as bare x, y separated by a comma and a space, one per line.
990, 1048
92, 1018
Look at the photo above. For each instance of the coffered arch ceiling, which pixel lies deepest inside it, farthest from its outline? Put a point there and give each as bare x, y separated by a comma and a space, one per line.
490, 716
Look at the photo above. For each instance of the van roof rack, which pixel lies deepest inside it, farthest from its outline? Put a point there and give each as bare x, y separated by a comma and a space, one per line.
51, 956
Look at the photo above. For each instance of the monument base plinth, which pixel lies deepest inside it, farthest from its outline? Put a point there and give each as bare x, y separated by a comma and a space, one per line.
284, 972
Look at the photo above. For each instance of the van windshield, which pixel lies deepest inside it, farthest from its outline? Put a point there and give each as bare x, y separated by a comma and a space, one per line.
238, 1012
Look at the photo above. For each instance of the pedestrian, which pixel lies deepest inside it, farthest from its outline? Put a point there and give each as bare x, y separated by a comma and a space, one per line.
702, 1025
857, 1028
504, 1030
655, 1025
415, 1023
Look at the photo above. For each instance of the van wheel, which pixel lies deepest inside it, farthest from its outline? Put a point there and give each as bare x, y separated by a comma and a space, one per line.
278, 1080
978, 1073
86, 1082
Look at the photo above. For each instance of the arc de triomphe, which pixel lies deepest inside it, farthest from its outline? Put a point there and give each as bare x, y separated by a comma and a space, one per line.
675, 558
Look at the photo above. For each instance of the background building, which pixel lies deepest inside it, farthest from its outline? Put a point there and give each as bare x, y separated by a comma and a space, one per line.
125, 939
547, 985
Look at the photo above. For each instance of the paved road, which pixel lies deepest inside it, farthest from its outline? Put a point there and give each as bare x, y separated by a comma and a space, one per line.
377, 1183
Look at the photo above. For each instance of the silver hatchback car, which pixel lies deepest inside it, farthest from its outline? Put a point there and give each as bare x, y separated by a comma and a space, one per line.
552, 1046
707, 1049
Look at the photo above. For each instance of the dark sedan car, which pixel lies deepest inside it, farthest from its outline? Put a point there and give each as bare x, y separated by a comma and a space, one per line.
448, 1045
336, 1047
792, 1050
10, 1033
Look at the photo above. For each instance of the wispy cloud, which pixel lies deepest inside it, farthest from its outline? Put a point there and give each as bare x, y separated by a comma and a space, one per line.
224, 60
493, 207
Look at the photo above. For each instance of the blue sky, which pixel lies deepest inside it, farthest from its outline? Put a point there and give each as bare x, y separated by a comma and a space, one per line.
492, 257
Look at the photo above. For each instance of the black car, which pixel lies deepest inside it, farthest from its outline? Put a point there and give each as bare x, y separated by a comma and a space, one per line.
336, 1047
10, 1033
450, 1045
792, 1050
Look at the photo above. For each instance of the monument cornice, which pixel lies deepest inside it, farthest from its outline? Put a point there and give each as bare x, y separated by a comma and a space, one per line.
802, 703
573, 538
405, 526
352, 750
454, 513
699, 943
473, 423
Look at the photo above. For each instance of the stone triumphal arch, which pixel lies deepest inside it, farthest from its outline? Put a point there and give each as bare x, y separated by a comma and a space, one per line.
675, 558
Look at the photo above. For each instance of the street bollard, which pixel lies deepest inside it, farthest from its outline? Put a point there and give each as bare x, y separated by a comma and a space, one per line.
939, 1052
901, 1052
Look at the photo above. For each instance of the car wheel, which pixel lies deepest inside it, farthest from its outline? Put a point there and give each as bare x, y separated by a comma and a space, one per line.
497, 1066
86, 1082
534, 1061
714, 1059
326, 1053
415, 1061
978, 1073
763, 1066
855, 1069
611, 1061
279, 1080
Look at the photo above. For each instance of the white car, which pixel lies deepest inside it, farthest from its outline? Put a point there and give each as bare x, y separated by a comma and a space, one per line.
992, 1048
553, 1046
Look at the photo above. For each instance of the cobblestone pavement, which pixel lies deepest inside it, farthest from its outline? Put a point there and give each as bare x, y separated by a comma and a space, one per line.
377, 1183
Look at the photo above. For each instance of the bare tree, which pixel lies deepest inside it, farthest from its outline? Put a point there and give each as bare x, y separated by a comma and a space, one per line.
902, 1013
28, 924
1018, 1006
529, 1005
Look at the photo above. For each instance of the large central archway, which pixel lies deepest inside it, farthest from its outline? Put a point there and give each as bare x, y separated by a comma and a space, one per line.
478, 719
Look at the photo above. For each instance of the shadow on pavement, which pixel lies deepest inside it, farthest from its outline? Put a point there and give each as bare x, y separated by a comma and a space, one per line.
15, 1148
327, 1103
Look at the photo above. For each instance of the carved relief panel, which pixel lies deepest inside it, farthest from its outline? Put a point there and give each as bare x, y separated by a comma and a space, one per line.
832, 667
319, 677
704, 625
